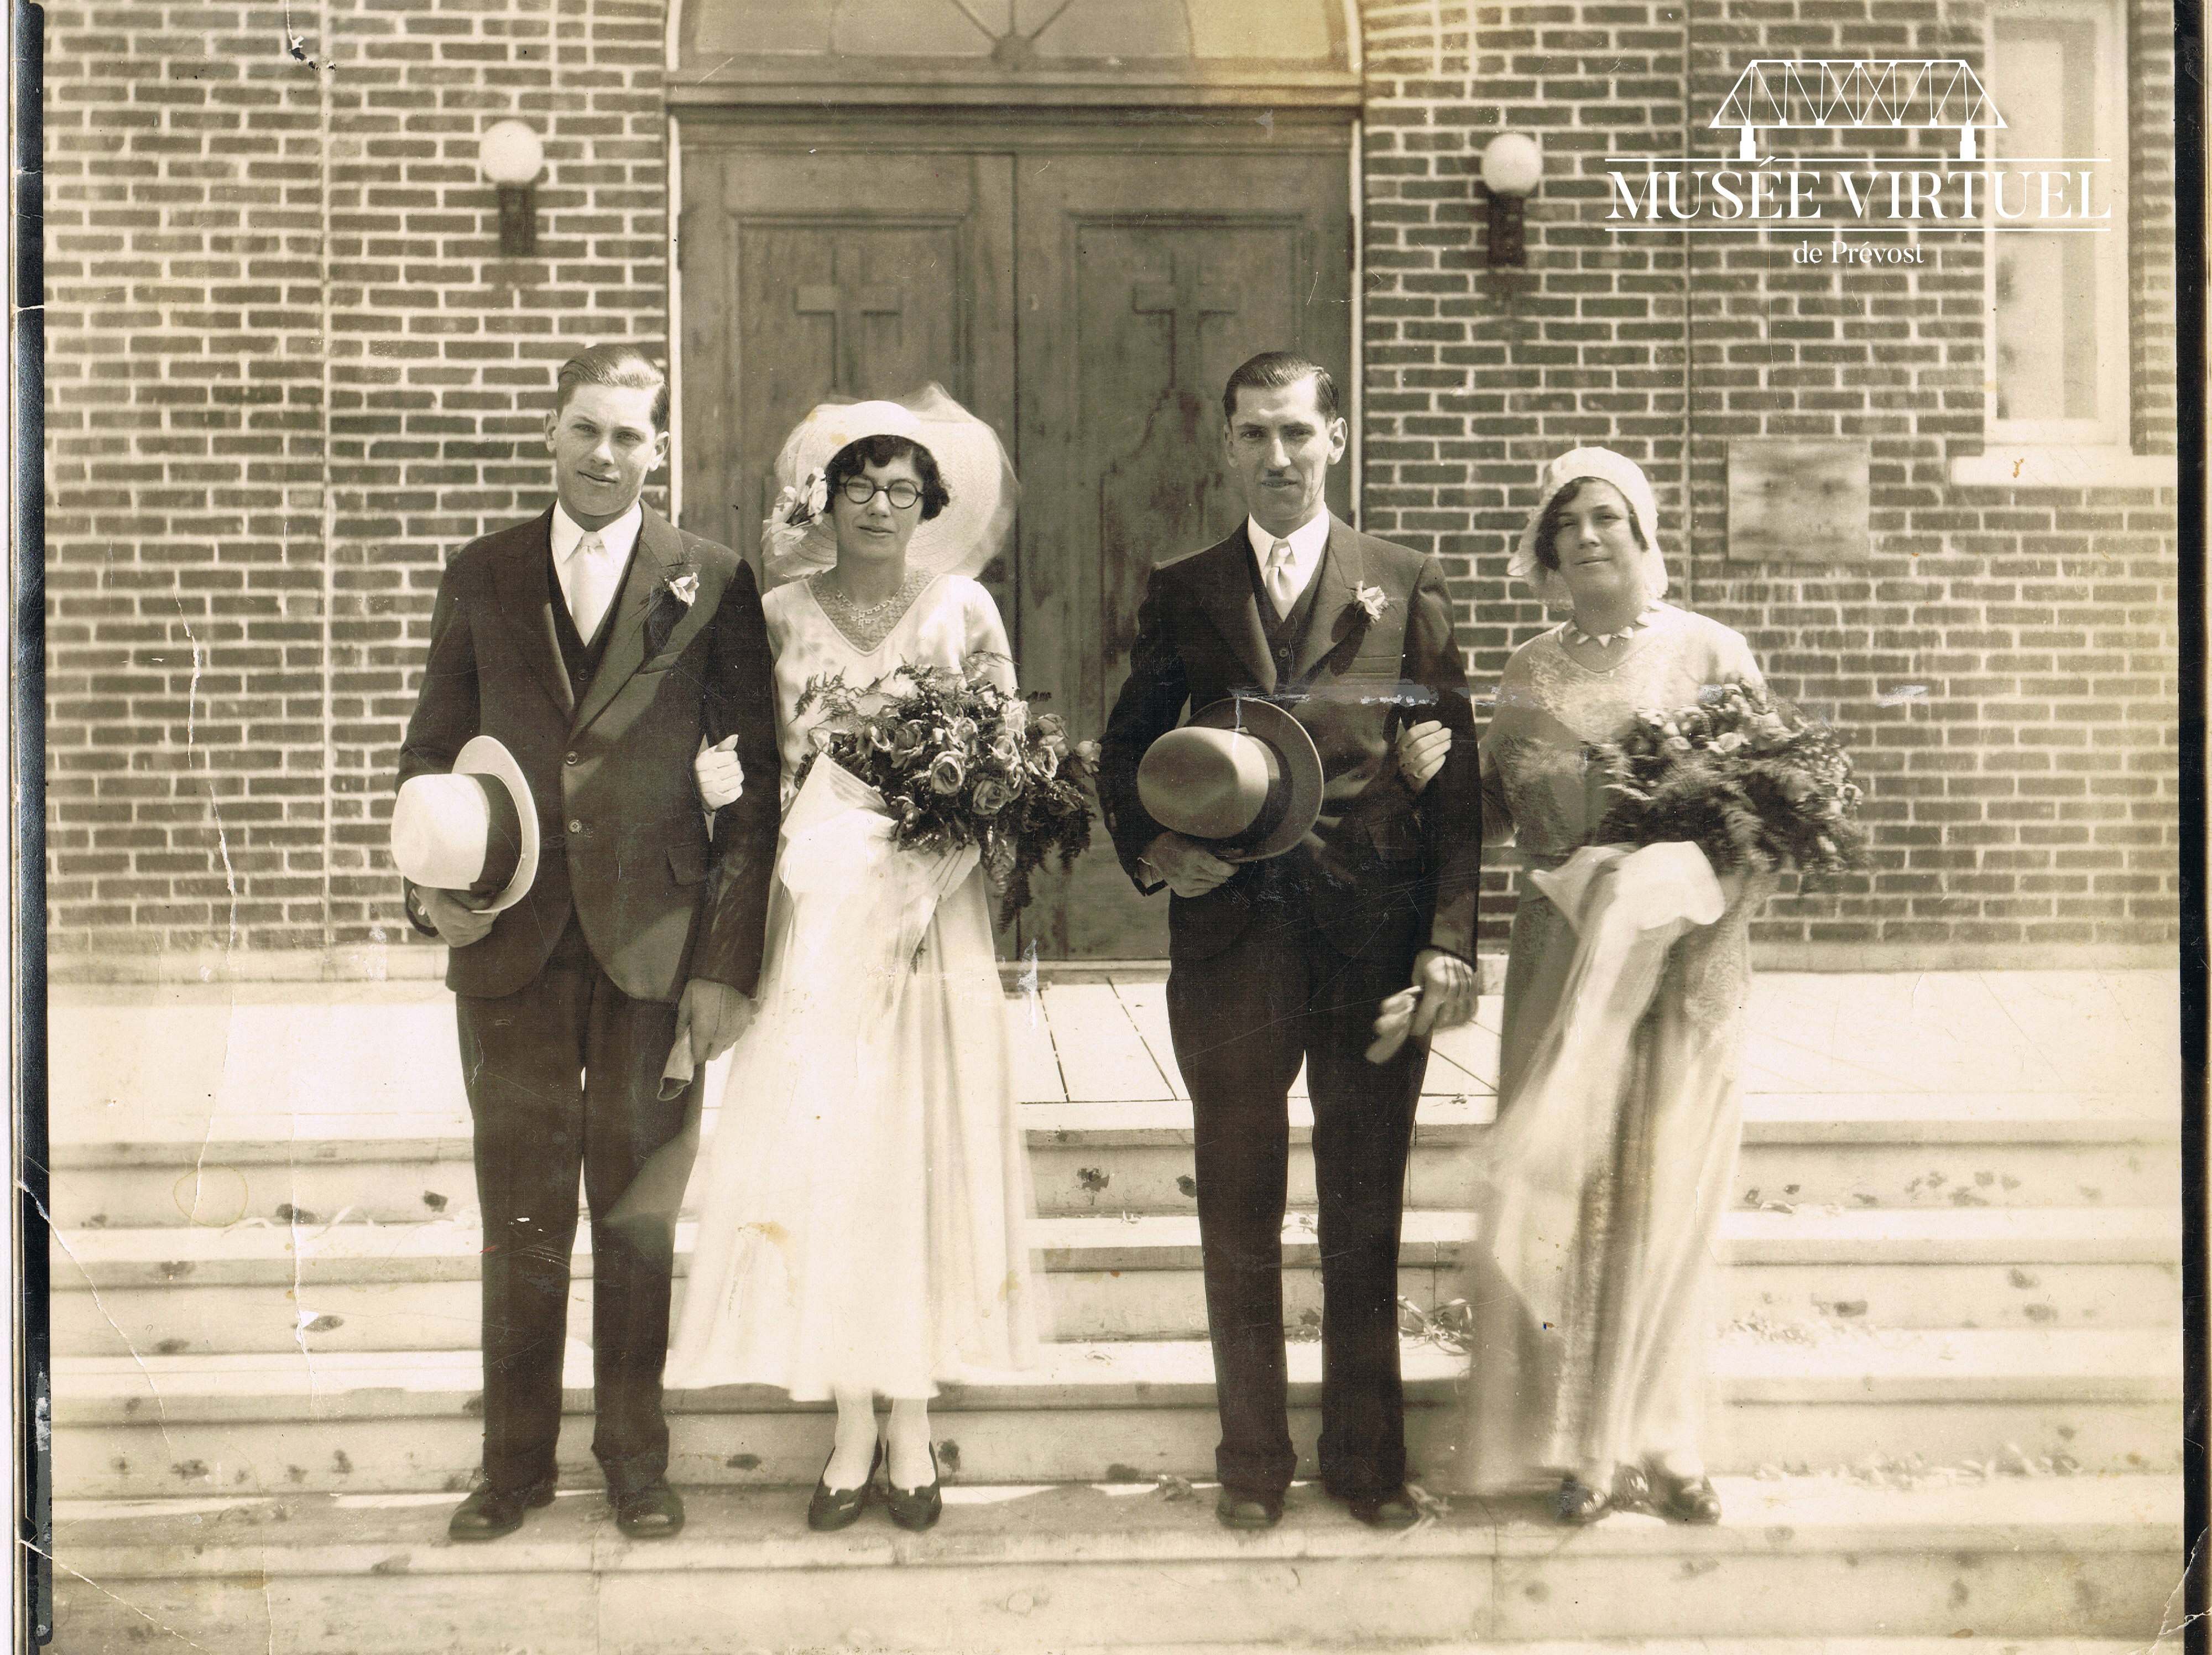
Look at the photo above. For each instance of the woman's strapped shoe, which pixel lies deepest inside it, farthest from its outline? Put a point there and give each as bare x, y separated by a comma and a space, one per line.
1688, 1499
916, 1508
840, 1508
489, 1512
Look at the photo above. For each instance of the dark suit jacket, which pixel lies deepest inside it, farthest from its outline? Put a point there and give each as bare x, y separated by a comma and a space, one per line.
1388, 873
625, 841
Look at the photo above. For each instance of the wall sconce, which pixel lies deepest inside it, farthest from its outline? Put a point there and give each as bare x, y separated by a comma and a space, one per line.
511, 157
1512, 166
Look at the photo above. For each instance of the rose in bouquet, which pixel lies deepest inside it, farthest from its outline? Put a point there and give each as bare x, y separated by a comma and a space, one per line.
961, 762
1746, 778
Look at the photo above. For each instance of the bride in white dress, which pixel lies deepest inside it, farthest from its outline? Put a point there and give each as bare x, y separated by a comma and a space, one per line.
865, 1200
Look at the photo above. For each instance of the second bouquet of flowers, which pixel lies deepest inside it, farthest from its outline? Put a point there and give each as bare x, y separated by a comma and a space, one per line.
958, 762
1746, 778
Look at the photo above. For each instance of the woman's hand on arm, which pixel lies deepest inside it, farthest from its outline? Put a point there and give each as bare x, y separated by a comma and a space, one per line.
721, 777
1422, 750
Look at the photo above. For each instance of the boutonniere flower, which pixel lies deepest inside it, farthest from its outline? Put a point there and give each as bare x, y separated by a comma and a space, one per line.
1371, 599
684, 588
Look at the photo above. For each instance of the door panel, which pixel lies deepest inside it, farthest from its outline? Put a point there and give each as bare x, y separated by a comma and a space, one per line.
1145, 280
836, 274
1117, 285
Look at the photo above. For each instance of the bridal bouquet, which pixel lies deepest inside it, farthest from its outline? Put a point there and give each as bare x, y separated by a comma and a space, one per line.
1747, 778
959, 762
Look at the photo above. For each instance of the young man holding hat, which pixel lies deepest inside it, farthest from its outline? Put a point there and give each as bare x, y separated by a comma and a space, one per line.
1283, 944
577, 662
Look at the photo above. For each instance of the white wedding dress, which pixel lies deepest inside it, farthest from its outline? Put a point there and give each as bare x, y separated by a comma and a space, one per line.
864, 1204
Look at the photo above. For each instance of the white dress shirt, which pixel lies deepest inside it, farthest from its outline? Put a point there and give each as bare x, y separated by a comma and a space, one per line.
1307, 543
595, 588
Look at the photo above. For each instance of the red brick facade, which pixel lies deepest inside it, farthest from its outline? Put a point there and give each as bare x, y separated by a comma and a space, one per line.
2028, 798
288, 372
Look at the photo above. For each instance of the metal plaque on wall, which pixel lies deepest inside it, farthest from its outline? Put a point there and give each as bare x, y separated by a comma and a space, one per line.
1798, 501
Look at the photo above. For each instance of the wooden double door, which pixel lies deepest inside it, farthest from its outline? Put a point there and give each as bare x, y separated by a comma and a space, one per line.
1086, 291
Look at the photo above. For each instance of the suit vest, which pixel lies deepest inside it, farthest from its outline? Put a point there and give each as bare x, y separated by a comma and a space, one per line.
582, 659
1285, 634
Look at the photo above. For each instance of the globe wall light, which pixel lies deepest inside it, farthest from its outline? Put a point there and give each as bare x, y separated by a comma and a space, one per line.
1512, 167
511, 158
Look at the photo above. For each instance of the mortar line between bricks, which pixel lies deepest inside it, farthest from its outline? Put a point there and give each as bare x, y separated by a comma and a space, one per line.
328, 515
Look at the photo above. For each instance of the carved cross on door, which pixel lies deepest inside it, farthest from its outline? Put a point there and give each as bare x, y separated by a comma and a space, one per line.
1186, 302
845, 306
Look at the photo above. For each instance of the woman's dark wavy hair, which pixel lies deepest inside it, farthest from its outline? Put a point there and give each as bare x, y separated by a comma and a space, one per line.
1555, 516
855, 458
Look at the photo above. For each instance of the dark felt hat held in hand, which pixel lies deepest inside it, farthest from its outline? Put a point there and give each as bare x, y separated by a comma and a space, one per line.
1243, 778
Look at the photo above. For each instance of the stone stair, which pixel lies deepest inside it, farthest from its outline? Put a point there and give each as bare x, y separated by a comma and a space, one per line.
1082, 1568
1950, 1303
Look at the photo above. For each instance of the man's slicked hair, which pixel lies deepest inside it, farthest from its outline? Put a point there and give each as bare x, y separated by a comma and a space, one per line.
1276, 370
621, 365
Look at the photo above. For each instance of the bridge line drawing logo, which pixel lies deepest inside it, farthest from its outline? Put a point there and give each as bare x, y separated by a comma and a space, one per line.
1843, 185
1826, 95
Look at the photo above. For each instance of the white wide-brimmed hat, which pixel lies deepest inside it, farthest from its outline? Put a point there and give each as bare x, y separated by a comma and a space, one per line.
1606, 466
473, 830
959, 540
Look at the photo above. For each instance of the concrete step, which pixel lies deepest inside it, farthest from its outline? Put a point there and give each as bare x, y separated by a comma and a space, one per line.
1080, 1567
395, 1420
1889, 1150
363, 1286
1877, 1150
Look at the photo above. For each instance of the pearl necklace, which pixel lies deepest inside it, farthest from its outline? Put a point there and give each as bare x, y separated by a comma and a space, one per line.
1574, 634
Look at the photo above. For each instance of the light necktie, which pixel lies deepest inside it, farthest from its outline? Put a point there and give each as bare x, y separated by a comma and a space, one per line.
1281, 588
590, 586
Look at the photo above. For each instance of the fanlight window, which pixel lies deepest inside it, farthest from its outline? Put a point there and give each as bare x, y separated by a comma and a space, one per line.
944, 44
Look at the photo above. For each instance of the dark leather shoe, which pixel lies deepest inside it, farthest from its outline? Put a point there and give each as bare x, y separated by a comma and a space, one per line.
489, 1512
1394, 1508
916, 1508
649, 1513
1239, 1510
832, 1509
1580, 1504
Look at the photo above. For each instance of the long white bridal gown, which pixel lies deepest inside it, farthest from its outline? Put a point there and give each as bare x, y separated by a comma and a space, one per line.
864, 1201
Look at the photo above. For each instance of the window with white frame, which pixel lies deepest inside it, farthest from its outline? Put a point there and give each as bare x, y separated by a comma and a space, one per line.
2059, 297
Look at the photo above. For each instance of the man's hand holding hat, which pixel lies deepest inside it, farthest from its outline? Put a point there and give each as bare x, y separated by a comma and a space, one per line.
1186, 867
458, 924
467, 841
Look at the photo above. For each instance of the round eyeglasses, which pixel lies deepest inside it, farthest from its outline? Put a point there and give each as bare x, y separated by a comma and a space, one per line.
901, 493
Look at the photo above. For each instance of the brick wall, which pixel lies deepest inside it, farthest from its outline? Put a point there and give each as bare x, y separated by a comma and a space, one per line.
2029, 798
288, 372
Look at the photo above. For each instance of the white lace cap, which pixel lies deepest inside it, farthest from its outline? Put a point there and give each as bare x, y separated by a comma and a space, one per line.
960, 539
1606, 466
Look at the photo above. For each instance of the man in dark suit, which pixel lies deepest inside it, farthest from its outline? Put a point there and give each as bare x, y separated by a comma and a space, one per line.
600, 644
1287, 960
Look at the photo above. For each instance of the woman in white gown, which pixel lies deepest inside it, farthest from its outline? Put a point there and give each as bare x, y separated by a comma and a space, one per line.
1618, 1096
865, 1202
